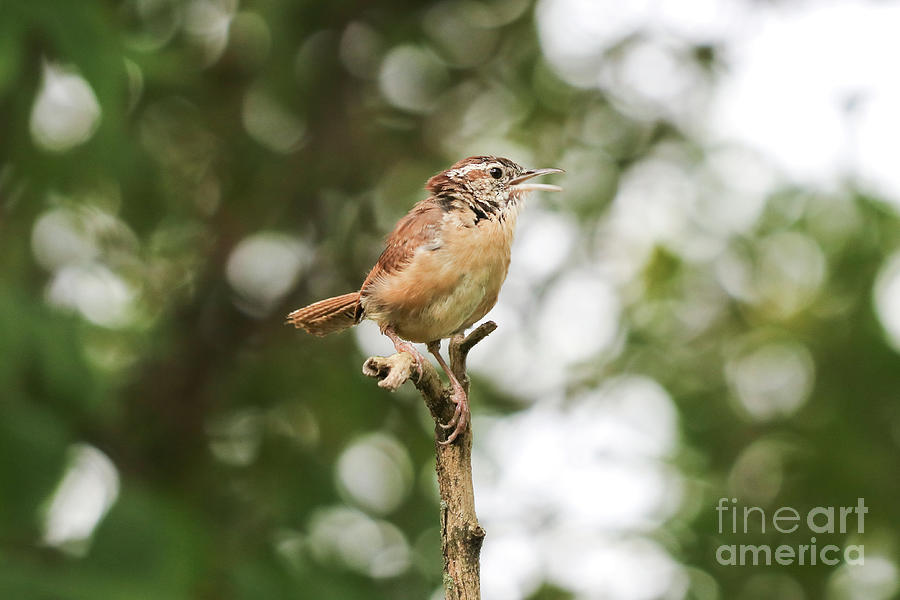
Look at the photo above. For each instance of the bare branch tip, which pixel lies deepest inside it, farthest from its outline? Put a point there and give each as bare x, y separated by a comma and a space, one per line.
391, 371
477, 334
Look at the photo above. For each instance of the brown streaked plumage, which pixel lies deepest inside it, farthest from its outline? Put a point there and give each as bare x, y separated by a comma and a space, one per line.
442, 266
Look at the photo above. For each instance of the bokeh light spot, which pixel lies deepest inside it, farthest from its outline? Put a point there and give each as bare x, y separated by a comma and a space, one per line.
358, 542
270, 124
757, 474
65, 112
97, 293
771, 380
887, 299
234, 438
375, 472
876, 579
61, 238
264, 266
86, 492
411, 78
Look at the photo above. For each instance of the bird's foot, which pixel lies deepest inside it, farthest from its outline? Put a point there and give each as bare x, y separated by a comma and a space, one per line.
460, 419
418, 359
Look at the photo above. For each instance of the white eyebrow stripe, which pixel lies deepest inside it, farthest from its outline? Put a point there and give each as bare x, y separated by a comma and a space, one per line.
463, 170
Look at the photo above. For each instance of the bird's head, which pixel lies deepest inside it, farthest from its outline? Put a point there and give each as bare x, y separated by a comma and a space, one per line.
490, 182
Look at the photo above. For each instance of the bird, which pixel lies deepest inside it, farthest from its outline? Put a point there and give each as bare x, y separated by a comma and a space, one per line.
442, 266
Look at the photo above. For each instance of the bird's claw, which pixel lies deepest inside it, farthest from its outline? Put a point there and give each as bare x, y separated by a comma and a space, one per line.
460, 417
454, 419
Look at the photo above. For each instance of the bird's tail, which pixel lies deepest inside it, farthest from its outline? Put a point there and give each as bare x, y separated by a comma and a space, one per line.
327, 316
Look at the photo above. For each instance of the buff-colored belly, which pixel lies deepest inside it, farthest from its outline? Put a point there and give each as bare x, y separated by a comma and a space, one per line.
445, 290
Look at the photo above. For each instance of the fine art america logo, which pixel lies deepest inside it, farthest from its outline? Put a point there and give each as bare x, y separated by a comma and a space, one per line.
821, 520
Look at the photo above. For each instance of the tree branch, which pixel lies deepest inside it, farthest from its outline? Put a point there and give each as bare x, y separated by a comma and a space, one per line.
461, 535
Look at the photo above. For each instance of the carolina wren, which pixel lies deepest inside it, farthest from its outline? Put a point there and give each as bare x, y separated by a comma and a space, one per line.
442, 267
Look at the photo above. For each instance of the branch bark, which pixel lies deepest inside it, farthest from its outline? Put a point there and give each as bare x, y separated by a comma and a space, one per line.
461, 535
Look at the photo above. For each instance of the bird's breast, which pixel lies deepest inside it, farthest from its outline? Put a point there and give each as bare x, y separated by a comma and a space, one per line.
447, 286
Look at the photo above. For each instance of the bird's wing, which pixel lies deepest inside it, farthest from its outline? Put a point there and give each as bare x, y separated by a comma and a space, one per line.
419, 228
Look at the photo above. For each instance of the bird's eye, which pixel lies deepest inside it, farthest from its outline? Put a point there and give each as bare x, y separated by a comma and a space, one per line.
496, 172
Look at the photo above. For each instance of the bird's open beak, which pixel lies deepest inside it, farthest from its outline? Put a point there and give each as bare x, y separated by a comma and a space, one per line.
520, 183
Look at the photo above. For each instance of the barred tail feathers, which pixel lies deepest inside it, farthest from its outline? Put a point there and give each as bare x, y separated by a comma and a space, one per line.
327, 316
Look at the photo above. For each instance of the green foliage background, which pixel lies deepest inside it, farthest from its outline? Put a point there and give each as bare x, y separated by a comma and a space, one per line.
173, 164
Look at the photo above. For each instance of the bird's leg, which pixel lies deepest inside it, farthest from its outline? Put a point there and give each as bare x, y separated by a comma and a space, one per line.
460, 419
404, 346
